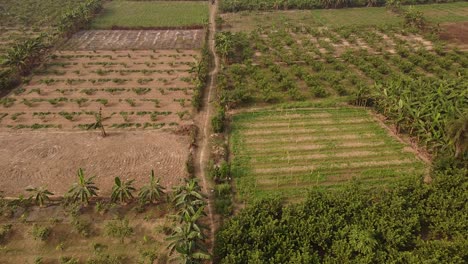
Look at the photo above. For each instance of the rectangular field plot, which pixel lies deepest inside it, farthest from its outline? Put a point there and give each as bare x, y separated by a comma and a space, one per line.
135, 89
286, 152
152, 14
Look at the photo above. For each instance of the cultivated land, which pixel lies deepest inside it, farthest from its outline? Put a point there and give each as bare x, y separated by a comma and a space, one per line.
142, 90
250, 20
82, 235
331, 58
285, 152
144, 82
152, 14
136, 40
25, 19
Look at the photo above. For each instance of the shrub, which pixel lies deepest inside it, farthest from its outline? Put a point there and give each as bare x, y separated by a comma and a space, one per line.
41, 233
217, 122
119, 229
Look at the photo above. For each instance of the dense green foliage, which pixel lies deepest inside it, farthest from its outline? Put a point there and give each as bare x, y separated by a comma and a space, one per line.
239, 5
413, 223
424, 108
25, 53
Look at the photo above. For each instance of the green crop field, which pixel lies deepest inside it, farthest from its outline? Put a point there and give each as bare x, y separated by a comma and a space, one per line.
286, 152
150, 14
377, 16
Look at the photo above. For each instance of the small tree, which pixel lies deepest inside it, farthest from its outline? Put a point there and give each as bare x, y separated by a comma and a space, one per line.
98, 123
122, 190
40, 195
83, 189
151, 192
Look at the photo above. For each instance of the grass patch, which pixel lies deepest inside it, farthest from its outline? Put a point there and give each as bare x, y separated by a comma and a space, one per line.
313, 147
149, 14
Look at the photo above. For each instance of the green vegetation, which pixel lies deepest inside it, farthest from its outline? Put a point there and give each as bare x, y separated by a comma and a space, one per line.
286, 152
151, 14
239, 5
410, 223
369, 16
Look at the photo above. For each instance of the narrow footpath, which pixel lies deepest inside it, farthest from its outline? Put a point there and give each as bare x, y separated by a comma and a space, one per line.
204, 124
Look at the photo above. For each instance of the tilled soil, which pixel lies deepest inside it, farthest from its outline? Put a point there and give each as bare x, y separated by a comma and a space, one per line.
52, 159
135, 39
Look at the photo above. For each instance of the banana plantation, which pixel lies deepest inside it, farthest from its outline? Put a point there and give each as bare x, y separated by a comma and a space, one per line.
233, 131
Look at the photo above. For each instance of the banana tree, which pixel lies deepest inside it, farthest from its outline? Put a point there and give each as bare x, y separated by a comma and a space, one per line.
40, 195
122, 191
152, 192
187, 242
98, 123
84, 189
189, 196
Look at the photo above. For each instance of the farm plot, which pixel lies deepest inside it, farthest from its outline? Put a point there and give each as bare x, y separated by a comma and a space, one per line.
145, 97
57, 234
135, 89
135, 40
294, 62
152, 14
286, 152
25, 19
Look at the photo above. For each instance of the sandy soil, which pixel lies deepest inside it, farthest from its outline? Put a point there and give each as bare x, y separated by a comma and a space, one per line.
52, 158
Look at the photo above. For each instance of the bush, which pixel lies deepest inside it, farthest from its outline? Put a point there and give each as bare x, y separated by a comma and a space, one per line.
217, 122
41, 233
224, 206
119, 229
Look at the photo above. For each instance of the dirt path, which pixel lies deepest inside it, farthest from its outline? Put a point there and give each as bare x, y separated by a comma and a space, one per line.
204, 124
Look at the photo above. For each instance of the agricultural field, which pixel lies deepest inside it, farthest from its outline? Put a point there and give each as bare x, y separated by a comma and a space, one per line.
286, 152
372, 16
152, 14
99, 234
136, 90
24, 19
303, 59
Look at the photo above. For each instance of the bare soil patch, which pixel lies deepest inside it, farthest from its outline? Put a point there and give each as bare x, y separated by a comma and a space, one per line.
135, 39
52, 158
456, 33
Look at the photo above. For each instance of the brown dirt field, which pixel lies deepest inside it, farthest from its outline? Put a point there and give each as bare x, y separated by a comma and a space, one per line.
135, 39
165, 74
456, 33
52, 159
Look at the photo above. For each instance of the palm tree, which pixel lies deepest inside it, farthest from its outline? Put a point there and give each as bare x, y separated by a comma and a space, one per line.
151, 192
189, 196
83, 189
40, 194
98, 123
457, 132
122, 190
